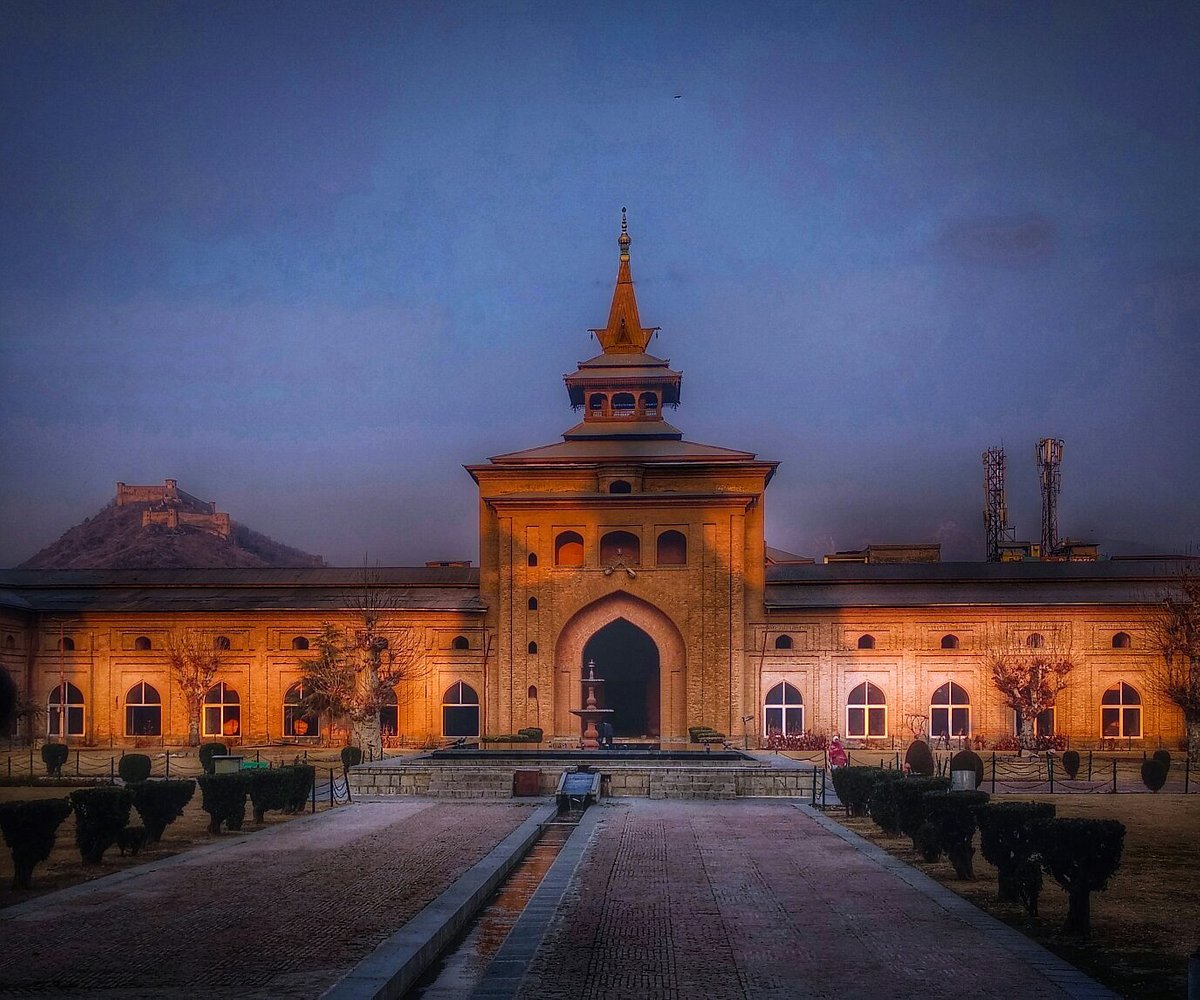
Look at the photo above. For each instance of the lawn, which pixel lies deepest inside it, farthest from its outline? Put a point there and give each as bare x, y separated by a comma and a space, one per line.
1144, 926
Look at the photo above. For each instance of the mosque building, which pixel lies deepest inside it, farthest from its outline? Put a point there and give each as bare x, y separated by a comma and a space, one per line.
625, 546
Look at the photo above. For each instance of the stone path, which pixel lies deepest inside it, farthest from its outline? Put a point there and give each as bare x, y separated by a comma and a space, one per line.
282, 913
715, 900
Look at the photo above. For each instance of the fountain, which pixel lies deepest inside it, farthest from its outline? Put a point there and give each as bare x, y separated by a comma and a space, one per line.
590, 713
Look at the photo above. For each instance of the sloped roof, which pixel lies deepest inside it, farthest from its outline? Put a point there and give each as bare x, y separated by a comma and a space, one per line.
624, 448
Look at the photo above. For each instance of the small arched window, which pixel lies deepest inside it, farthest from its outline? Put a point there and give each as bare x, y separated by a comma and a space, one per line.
66, 644
143, 711
1122, 640
222, 714
672, 549
533, 691
533, 647
71, 706
297, 721
783, 711
221, 642
10, 642
619, 486
866, 642
596, 402
1121, 712
142, 642
568, 549
1035, 640
533, 604
866, 712
783, 642
460, 642
623, 404
460, 711
950, 711
300, 643
620, 546
532, 560
949, 642
649, 401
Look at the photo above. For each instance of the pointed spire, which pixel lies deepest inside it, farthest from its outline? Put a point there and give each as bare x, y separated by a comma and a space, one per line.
624, 333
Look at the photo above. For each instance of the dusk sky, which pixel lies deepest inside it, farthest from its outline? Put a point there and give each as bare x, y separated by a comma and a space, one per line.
311, 259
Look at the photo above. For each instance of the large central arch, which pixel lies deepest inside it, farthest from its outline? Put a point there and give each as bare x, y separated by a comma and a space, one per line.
661, 630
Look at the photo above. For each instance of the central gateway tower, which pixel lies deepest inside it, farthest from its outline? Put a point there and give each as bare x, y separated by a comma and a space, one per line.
626, 545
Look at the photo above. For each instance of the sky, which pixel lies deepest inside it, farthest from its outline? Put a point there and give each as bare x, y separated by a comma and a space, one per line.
311, 259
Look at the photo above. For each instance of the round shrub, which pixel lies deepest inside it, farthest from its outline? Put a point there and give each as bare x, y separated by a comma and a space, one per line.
968, 760
223, 797
883, 802
133, 767
208, 751
1070, 763
1154, 774
100, 814
351, 757
29, 829
910, 807
952, 816
853, 787
1081, 855
54, 755
1008, 839
919, 758
160, 803
1164, 756
270, 790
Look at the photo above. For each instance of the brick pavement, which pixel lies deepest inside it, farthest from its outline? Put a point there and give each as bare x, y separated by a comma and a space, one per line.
279, 914
757, 899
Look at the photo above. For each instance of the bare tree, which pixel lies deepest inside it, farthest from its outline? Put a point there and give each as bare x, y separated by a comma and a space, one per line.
329, 680
1175, 630
194, 660
1030, 679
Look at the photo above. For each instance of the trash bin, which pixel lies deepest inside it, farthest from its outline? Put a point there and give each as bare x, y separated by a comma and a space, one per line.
962, 781
227, 764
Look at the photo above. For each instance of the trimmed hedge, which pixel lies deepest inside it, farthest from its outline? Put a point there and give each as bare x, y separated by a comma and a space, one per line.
1070, 763
1007, 838
968, 760
1081, 855
351, 757
1164, 756
208, 751
919, 758
160, 803
884, 803
29, 829
1154, 774
223, 797
952, 816
853, 786
100, 815
910, 807
54, 755
533, 732
300, 781
133, 767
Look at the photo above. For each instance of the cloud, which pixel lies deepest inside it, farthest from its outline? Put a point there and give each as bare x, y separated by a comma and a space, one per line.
1000, 241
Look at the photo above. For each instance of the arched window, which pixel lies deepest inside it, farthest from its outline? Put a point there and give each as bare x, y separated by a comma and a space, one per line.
950, 711
866, 712
460, 711
568, 549
866, 642
619, 486
1035, 640
596, 403
532, 560
533, 647
649, 401
297, 721
623, 404
143, 711
460, 642
533, 604
620, 546
672, 549
66, 644
389, 714
533, 691
10, 642
783, 642
783, 711
1121, 640
949, 642
222, 711
221, 642
1121, 712
300, 642
72, 706
142, 642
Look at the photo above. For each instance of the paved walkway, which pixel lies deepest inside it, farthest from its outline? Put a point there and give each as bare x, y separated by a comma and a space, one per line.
281, 913
758, 899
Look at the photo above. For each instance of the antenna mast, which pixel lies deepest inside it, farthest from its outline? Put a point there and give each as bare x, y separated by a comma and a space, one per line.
995, 504
1049, 458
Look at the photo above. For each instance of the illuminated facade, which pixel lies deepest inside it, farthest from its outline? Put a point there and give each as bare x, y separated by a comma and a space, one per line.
624, 545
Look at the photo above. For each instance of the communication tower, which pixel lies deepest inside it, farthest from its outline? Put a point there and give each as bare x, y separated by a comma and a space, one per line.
1049, 458
995, 503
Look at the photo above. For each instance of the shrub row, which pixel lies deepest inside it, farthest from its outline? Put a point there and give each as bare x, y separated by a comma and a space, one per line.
223, 796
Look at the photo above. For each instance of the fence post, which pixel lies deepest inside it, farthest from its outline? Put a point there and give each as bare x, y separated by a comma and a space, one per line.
1114, 774
897, 760
255, 756
1187, 772
331, 802
1089, 765
814, 786
314, 790
77, 763
31, 758
1050, 766
168, 767
993, 772
112, 769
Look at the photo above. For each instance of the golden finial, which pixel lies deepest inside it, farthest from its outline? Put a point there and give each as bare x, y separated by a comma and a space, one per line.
623, 240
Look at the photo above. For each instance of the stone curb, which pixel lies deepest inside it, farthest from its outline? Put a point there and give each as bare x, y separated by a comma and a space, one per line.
1062, 974
502, 978
392, 968
186, 856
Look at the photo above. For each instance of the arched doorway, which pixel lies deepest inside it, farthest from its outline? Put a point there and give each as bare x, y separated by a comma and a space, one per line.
627, 659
